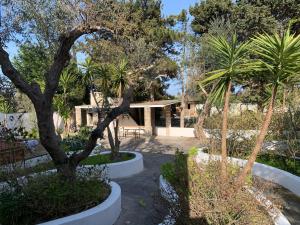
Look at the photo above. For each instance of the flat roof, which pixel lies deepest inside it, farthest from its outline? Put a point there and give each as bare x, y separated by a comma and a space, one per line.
154, 104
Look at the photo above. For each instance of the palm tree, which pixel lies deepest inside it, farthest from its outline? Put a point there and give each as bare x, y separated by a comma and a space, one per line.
231, 56
120, 77
279, 57
120, 82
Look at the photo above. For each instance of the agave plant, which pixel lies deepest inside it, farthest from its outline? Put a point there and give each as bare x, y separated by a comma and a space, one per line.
279, 58
231, 56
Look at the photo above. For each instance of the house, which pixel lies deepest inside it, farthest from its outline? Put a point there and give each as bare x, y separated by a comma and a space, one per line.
149, 118
161, 118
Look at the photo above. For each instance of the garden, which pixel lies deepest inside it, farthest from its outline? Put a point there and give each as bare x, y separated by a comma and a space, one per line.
238, 62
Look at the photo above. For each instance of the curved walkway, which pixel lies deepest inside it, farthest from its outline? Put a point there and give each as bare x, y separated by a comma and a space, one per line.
141, 201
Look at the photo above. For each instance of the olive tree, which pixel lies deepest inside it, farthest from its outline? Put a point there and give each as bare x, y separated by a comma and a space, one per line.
58, 24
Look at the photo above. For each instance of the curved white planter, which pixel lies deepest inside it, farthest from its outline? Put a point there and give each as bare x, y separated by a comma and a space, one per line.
168, 192
283, 178
120, 169
106, 213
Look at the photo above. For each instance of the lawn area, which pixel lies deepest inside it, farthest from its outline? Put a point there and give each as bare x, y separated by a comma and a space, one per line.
106, 158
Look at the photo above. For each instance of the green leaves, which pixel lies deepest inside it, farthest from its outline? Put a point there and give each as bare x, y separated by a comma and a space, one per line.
279, 56
231, 57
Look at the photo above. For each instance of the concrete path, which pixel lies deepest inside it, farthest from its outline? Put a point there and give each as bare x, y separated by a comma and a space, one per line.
284, 199
141, 201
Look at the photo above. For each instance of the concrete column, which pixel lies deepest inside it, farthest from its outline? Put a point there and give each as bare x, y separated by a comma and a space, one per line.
168, 119
148, 121
78, 117
95, 119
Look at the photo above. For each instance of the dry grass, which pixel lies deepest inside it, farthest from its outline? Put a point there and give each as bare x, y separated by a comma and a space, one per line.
205, 199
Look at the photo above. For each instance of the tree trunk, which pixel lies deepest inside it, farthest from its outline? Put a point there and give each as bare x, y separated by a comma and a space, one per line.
224, 133
50, 141
259, 142
182, 107
114, 140
204, 114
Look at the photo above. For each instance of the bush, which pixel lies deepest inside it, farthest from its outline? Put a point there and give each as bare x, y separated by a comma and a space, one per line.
45, 198
281, 162
72, 144
248, 120
205, 199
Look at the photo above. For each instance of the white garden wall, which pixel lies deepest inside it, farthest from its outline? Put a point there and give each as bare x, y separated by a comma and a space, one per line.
106, 213
283, 178
121, 169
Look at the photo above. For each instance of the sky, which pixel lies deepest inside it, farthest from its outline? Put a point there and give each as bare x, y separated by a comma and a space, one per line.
173, 7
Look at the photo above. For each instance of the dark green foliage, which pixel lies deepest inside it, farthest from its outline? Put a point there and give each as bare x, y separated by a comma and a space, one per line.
281, 162
77, 142
249, 16
72, 144
33, 61
45, 198
205, 12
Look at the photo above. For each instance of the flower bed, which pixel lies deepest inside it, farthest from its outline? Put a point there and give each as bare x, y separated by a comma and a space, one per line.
269, 173
198, 196
120, 169
44, 197
105, 213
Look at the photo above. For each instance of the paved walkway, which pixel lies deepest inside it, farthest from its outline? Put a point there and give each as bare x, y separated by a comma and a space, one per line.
141, 201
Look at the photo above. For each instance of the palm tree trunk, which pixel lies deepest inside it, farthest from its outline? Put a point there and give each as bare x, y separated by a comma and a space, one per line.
259, 142
224, 133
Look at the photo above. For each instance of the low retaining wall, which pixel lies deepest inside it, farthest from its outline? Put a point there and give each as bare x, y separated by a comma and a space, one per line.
283, 178
121, 169
106, 213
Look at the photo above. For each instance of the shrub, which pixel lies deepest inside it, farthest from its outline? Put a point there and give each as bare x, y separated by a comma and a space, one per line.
205, 199
72, 144
248, 120
45, 198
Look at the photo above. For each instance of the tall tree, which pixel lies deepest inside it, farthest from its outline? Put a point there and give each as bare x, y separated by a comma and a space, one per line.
231, 57
58, 25
279, 57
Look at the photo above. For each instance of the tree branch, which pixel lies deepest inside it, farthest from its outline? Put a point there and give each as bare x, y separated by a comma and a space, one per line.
98, 132
33, 91
62, 56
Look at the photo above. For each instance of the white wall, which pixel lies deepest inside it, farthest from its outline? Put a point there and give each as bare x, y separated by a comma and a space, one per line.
27, 120
13, 120
175, 132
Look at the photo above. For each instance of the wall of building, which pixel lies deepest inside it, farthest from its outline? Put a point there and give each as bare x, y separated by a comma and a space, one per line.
174, 132
14, 120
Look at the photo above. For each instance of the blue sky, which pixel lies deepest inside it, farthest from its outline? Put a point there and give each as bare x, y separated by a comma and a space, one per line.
175, 6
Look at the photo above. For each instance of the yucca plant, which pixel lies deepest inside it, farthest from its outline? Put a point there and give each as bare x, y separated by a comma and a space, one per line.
120, 77
231, 56
279, 57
